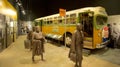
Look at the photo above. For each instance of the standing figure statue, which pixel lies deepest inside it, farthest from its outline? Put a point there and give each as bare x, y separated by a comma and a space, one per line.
29, 37
115, 34
38, 46
77, 46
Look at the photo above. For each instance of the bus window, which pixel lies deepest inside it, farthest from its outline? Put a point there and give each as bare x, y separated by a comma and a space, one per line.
44, 22
55, 22
100, 20
67, 16
47, 22
73, 18
50, 22
68, 21
36, 23
60, 21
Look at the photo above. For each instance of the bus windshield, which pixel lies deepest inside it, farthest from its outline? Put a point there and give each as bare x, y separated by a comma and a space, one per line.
100, 20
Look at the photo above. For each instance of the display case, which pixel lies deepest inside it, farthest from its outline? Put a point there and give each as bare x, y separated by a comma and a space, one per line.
2, 32
9, 32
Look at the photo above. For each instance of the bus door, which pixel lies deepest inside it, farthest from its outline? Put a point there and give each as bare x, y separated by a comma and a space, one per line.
87, 21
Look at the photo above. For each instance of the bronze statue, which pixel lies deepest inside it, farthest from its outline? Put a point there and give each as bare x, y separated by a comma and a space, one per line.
38, 46
29, 37
77, 45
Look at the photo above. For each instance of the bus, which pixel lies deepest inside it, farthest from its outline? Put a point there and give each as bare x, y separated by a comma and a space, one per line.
94, 20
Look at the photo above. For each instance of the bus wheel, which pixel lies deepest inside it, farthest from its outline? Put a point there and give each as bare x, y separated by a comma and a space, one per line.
68, 39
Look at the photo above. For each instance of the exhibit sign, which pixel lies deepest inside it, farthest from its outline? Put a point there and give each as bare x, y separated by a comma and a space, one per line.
62, 12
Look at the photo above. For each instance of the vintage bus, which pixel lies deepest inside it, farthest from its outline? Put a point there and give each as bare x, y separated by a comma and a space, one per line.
94, 20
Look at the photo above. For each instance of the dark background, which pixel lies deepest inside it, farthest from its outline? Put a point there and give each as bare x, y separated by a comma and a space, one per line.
39, 8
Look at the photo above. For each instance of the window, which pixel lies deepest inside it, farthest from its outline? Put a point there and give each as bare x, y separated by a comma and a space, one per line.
73, 18
55, 20
67, 20
50, 22
100, 20
59, 19
44, 22
47, 22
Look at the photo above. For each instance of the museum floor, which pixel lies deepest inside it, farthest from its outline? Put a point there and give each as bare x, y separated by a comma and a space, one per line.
55, 56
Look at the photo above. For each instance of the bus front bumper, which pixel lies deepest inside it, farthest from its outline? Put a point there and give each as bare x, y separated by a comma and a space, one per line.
102, 45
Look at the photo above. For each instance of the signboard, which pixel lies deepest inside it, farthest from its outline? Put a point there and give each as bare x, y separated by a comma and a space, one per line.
62, 12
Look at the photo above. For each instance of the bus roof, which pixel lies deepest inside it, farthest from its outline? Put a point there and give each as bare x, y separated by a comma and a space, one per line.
97, 10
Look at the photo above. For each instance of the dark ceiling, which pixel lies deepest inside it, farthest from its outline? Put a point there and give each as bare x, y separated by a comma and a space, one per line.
40, 8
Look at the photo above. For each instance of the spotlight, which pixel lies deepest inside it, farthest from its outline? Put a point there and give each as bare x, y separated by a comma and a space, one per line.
19, 4
23, 11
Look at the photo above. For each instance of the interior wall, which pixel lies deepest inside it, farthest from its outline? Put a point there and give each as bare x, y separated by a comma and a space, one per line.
111, 6
40, 8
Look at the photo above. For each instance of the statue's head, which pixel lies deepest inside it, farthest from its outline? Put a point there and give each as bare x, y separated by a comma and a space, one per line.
79, 26
37, 28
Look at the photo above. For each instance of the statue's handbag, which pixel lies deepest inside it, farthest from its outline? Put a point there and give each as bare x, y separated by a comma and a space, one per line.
73, 56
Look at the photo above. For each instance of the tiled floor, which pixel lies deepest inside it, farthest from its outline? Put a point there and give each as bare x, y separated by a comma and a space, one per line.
16, 56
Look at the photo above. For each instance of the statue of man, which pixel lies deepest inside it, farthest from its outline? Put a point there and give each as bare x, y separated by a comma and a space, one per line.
77, 45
